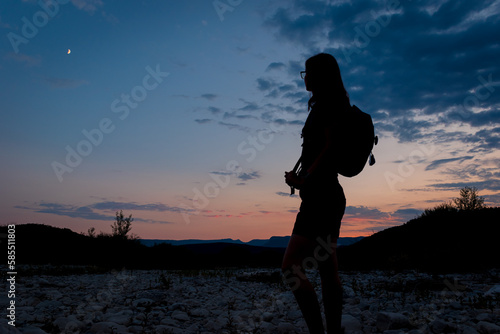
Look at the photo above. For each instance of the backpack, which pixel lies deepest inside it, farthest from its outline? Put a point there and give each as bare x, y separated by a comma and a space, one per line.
358, 139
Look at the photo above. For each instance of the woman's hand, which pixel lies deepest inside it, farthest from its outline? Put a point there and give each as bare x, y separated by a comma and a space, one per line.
293, 180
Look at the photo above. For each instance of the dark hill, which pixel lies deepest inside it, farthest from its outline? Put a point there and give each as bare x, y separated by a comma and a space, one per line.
43, 244
438, 241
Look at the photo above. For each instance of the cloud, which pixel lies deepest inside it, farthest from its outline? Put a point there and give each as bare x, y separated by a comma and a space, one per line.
364, 212
419, 61
249, 176
88, 212
235, 114
478, 119
203, 121
214, 110
475, 170
492, 184
406, 214
224, 173
493, 199
28, 61
233, 126
72, 211
294, 90
116, 206
294, 68
295, 25
265, 84
209, 97
299, 97
375, 216
485, 140
408, 130
249, 106
286, 88
365, 219
437, 163
61, 83
280, 193
151, 221
275, 66
89, 6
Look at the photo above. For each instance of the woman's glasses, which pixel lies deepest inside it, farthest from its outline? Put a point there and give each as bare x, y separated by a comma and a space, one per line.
302, 74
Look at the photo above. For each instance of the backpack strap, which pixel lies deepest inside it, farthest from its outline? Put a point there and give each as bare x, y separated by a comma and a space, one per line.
296, 170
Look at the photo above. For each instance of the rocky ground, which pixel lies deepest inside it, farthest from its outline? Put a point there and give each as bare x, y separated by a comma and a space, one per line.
249, 301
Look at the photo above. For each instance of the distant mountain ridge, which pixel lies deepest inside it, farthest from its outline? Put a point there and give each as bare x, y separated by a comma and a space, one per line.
273, 242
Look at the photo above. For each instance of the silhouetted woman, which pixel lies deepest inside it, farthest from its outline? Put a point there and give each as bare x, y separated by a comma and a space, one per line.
316, 229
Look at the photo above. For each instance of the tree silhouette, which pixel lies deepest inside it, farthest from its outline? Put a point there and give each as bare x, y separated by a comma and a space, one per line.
443, 208
469, 199
91, 232
121, 226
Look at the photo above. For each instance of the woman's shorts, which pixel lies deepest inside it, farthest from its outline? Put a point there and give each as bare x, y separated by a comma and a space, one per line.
321, 212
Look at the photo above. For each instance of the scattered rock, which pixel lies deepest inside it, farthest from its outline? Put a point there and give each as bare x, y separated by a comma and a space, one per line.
180, 315
267, 316
390, 320
134, 302
8, 329
468, 330
142, 302
285, 328
199, 312
488, 328
350, 323
68, 324
168, 329
261, 276
178, 306
33, 330
294, 314
107, 327
456, 305
493, 291
483, 317
49, 306
439, 326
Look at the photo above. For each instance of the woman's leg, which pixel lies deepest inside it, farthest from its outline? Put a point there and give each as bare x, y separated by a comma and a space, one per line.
298, 249
331, 288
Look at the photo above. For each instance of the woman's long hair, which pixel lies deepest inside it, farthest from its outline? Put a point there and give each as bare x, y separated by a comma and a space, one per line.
325, 81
